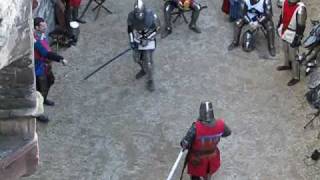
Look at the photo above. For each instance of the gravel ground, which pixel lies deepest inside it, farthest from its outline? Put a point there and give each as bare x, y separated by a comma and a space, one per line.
111, 128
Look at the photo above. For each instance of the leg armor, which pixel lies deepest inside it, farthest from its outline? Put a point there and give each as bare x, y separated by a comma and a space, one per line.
147, 63
269, 27
236, 34
290, 59
194, 17
168, 8
291, 63
237, 31
293, 52
137, 57
286, 54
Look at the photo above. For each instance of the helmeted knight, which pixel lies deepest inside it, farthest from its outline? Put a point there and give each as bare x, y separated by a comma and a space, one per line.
291, 27
202, 140
143, 25
255, 12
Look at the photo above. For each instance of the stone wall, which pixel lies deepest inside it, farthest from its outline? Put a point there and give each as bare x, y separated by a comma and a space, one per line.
19, 152
17, 89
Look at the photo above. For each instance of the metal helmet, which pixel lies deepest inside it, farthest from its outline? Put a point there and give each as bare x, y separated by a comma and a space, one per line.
248, 42
293, 1
313, 95
314, 79
313, 38
139, 9
206, 112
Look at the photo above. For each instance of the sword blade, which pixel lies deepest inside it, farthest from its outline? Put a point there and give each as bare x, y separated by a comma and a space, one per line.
102, 66
174, 167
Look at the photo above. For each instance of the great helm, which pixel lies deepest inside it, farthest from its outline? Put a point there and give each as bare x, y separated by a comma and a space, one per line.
206, 112
139, 8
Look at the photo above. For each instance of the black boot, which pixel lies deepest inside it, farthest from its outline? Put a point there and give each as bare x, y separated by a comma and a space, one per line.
194, 28
282, 68
272, 51
194, 17
293, 81
75, 12
140, 74
166, 32
43, 119
48, 102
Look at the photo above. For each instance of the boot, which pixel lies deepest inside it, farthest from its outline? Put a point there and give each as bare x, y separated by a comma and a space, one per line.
236, 37
48, 102
272, 51
150, 86
283, 68
75, 12
43, 119
166, 32
194, 28
293, 81
194, 17
140, 74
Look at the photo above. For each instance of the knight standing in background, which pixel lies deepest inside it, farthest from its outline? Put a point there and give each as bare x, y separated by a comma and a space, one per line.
291, 27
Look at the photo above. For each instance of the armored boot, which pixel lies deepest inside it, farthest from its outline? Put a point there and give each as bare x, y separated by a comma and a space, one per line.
141, 73
236, 38
194, 17
75, 13
272, 51
166, 32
